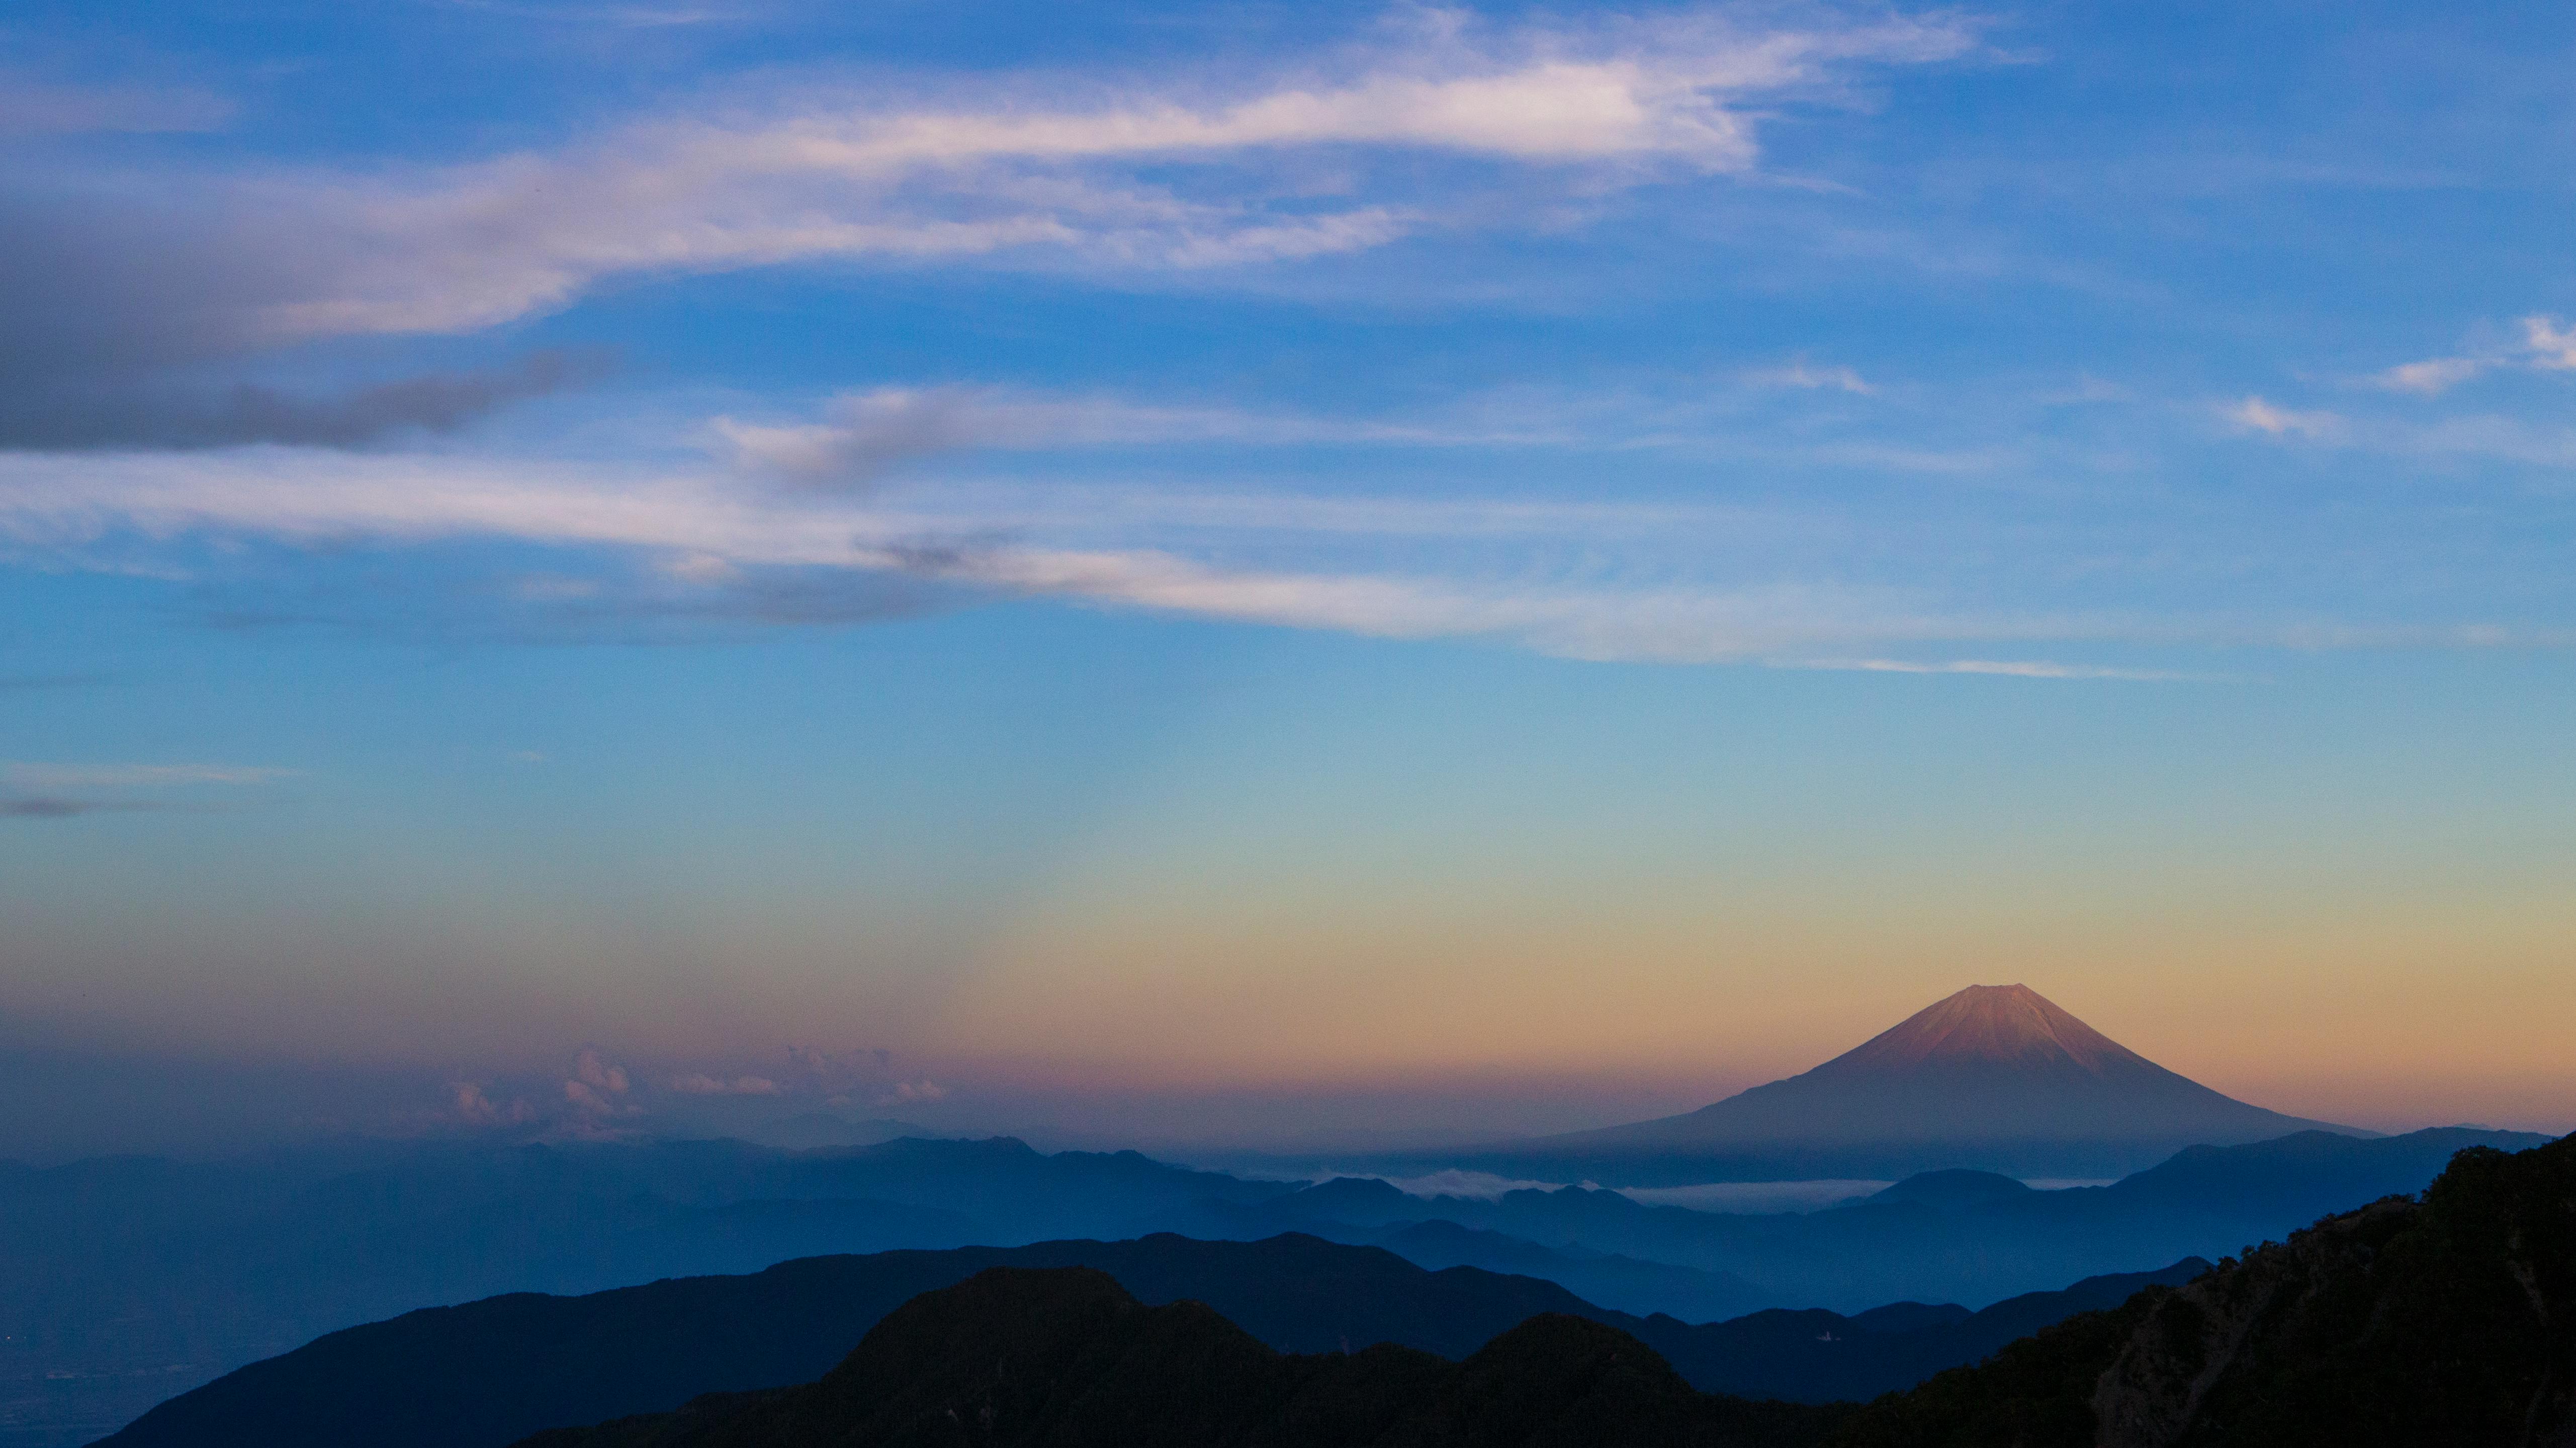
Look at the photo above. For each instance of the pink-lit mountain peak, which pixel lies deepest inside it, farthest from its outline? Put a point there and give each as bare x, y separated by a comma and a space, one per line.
1988, 1025
1996, 1077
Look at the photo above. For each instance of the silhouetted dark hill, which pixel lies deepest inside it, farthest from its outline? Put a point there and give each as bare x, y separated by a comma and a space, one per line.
538, 1361
1955, 1189
2445, 1324
1068, 1359
1994, 1077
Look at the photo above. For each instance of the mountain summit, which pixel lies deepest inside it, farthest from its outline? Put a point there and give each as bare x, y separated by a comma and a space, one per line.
1995, 1078
2010, 1026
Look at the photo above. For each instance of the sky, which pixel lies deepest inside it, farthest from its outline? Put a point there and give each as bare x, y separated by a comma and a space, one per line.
1241, 575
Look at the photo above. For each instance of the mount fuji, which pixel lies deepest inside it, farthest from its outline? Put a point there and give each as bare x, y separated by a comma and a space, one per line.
1995, 1078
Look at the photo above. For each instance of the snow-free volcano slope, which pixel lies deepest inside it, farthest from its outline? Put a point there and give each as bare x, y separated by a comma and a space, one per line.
1996, 1077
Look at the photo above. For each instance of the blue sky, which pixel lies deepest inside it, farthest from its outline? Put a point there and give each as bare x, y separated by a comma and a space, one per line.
1434, 569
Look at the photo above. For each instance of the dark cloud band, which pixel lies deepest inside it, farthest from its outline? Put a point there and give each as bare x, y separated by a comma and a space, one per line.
149, 416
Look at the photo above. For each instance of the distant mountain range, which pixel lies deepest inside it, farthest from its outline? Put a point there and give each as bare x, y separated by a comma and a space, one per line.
2445, 1324
126, 1280
1995, 1078
1947, 1236
540, 1361
123, 1283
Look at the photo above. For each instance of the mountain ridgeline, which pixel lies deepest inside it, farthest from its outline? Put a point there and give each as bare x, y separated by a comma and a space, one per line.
2449, 1323
1066, 1358
539, 1361
1994, 1077
123, 1284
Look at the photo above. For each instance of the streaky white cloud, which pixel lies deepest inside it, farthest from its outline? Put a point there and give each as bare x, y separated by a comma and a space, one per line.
125, 776
2546, 344
1071, 506
2433, 376
73, 500
2007, 668
2551, 343
624, 17
716, 531
1670, 625
1810, 377
865, 433
1002, 174
2257, 415
857, 437
2483, 436
31, 107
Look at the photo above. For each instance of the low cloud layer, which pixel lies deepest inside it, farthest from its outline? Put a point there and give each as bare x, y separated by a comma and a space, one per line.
600, 1097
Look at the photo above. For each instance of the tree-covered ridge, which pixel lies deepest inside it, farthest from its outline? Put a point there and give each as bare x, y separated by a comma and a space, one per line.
2448, 1322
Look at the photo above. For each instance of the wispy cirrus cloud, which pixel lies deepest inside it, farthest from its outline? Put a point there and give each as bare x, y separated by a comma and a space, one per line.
131, 776
47, 788
862, 435
2546, 344
1811, 377
34, 107
54, 807
2005, 668
720, 545
2256, 414
983, 176
756, 534
1167, 172
2431, 377
2485, 437
180, 418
